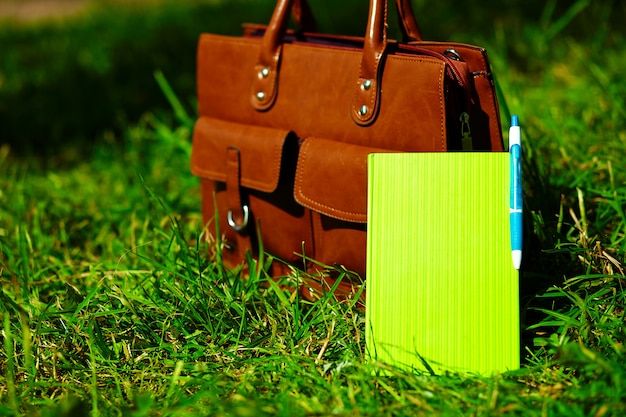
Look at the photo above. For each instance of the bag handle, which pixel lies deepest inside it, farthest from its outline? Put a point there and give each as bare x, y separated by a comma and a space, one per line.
410, 29
366, 100
303, 16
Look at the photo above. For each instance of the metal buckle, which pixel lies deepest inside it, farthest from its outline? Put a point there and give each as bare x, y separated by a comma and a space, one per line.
239, 227
452, 53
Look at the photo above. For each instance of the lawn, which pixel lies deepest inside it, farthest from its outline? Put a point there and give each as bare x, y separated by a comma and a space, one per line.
113, 301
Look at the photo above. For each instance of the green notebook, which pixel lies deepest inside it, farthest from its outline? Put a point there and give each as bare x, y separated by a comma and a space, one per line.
442, 292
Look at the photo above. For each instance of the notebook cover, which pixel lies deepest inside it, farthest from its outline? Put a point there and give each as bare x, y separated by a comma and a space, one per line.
442, 292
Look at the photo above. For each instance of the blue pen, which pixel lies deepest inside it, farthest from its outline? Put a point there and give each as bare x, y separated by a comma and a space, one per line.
515, 151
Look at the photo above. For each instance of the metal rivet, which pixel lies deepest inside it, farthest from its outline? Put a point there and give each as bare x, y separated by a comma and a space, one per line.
363, 110
265, 72
367, 84
260, 95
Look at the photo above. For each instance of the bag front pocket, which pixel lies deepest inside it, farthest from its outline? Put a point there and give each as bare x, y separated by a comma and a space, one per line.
247, 175
331, 180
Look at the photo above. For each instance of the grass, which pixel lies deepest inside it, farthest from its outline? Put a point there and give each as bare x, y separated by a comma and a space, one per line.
110, 306
96, 68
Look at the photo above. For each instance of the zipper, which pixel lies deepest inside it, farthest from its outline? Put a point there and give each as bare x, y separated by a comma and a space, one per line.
451, 57
466, 133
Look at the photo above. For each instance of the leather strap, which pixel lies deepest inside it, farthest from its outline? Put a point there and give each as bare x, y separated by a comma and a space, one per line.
367, 92
237, 211
265, 78
233, 191
366, 99
410, 29
303, 16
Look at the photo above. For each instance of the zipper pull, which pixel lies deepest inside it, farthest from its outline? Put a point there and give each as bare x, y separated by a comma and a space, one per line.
466, 134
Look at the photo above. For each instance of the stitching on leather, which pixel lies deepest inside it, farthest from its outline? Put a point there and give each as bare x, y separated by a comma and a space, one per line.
443, 109
441, 102
356, 94
386, 13
374, 95
314, 203
260, 84
277, 160
427, 60
274, 77
260, 185
317, 204
198, 170
299, 171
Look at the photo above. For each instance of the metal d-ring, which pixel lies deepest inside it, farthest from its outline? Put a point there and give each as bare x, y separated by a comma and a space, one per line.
239, 227
452, 53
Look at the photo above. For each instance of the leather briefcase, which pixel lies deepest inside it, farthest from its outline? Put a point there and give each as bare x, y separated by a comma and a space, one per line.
287, 119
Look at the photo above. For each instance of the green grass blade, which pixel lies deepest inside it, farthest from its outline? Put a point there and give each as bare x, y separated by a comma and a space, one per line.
179, 110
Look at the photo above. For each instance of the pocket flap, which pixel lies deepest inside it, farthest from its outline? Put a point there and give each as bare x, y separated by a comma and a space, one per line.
261, 150
331, 178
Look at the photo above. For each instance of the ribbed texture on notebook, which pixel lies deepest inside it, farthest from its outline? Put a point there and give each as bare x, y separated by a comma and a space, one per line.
442, 293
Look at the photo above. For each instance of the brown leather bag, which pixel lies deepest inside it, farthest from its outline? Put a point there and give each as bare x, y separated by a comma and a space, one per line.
287, 119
